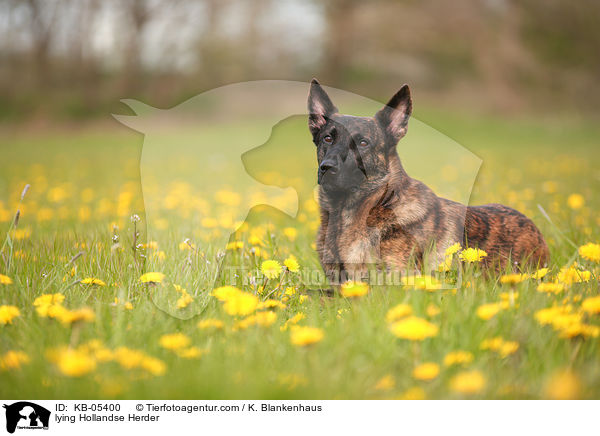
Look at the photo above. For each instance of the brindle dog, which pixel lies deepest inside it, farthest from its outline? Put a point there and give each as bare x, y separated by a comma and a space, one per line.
373, 213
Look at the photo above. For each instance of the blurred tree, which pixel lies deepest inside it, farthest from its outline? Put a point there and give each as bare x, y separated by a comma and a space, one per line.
341, 30
81, 56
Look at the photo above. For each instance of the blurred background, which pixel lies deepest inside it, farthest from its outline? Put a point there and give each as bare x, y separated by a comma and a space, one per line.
75, 59
513, 82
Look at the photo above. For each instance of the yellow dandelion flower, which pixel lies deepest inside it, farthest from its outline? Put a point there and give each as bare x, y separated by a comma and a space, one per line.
453, 249
291, 233
160, 255
129, 358
576, 201
270, 304
151, 245
354, 289
508, 348
426, 371
255, 240
174, 341
500, 346
234, 245
56, 311
241, 303
415, 393
458, 357
152, 277
271, 269
540, 273
546, 316
265, 319
185, 300
488, 311
92, 281
572, 275
468, 382
385, 383
5, 280
513, 279
590, 251
493, 344
591, 305
472, 255
446, 265
13, 360
8, 313
414, 328
551, 287
262, 319
75, 363
579, 329
48, 299
190, 353
210, 323
302, 336
67, 316
292, 321
289, 291
426, 282
397, 312
565, 320
103, 354
292, 264
563, 385
225, 292
20, 234
153, 365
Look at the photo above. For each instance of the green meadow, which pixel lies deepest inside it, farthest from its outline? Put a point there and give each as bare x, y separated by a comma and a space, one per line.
80, 317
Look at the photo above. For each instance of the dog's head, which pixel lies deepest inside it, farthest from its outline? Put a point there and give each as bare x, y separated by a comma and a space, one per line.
353, 151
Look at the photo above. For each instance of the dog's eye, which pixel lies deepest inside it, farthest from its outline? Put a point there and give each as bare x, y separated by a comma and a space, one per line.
363, 143
328, 139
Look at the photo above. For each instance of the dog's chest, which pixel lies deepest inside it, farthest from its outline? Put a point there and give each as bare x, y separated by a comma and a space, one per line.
355, 242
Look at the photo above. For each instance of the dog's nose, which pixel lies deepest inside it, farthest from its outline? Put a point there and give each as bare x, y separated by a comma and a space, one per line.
328, 165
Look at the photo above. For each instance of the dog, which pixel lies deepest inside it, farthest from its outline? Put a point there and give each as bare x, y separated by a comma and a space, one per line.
373, 213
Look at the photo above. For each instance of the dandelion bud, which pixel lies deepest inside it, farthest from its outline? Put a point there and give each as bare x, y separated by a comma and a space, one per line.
25, 190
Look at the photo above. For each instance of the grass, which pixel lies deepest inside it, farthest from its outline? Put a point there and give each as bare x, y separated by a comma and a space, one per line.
86, 184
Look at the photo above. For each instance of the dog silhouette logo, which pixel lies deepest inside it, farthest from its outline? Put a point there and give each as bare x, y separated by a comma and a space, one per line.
239, 157
26, 415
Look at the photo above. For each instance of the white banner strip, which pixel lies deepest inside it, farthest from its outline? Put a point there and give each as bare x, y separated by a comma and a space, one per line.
299, 417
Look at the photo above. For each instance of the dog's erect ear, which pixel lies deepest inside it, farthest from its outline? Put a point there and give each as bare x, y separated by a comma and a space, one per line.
320, 107
394, 116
